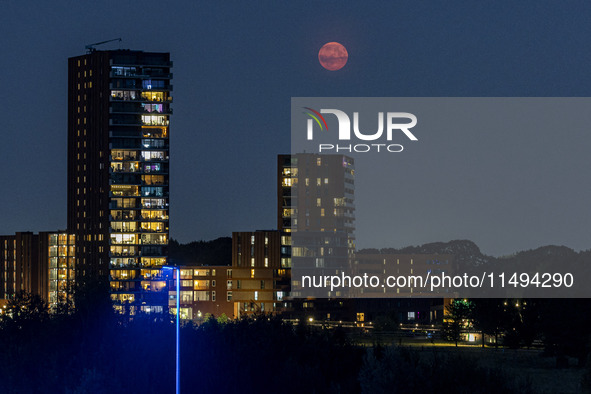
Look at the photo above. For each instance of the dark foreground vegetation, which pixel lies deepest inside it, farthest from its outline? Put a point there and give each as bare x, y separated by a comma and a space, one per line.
92, 350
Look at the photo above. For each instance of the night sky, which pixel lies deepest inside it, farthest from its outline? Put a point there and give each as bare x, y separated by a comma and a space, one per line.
236, 67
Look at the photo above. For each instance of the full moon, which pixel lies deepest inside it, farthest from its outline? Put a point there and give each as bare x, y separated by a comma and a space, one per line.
333, 56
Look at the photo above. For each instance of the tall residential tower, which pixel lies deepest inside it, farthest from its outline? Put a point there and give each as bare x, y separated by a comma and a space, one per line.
118, 154
316, 206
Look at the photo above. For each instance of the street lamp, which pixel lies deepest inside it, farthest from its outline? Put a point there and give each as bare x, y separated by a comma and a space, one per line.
178, 314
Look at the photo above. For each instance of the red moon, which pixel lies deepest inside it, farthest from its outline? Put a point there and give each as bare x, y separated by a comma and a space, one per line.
333, 56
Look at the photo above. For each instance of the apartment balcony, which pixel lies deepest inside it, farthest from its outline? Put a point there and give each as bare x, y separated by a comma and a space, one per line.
155, 277
153, 122
130, 74
123, 158
123, 195
150, 183
155, 243
128, 182
138, 98
140, 111
123, 231
154, 206
124, 254
115, 205
158, 63
125, 122
164, 194
150, 231
125, 266
155, 172
116, 170
153, 219
121, 290
155, 159
153, 144
125, 218
153, 254
126, 279
157, 88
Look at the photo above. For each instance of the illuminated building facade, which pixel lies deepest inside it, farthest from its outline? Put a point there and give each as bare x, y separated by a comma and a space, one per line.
258, 281
204, 292
119, 107
261, 271
316, 206
42, 264
61, 256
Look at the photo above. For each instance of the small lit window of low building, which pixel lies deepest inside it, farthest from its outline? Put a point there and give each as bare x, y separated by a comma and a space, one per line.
202, 296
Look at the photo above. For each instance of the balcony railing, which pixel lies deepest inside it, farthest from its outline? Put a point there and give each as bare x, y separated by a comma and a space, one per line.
164, 158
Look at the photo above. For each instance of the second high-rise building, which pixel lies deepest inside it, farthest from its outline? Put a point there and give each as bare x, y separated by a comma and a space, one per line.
118, 165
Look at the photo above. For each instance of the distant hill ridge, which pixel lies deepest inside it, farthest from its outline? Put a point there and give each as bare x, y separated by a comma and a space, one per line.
467, 254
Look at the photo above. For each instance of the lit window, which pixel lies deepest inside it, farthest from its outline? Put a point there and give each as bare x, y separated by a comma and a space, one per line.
229, 296
200, 295
252, 273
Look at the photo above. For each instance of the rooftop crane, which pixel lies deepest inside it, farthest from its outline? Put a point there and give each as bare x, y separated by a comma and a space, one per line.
90, 47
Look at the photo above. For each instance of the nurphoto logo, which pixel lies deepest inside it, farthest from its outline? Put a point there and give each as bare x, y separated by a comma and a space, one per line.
390, 123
